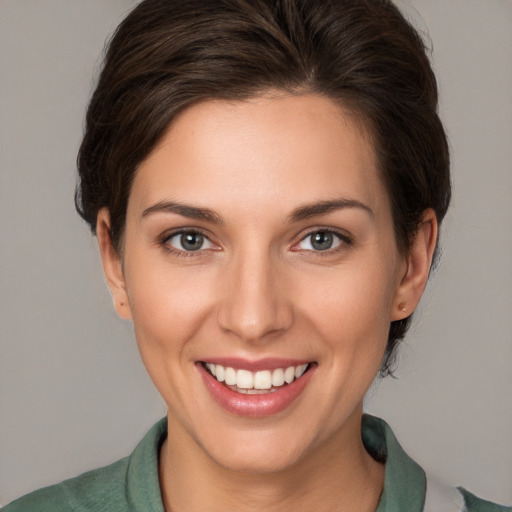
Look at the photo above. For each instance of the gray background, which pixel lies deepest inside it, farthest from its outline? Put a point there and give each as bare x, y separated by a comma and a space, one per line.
73, 393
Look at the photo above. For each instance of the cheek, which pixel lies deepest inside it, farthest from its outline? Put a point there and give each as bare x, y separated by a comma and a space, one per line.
351, 310
168, 304
350, 299
168, 310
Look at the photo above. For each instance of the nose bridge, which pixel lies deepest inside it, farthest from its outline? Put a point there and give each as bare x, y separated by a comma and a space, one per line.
255, 302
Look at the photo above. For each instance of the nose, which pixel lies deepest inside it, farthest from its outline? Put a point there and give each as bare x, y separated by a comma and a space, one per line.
255, 306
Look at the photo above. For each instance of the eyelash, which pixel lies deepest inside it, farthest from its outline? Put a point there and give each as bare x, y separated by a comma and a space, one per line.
345, 241
164, 242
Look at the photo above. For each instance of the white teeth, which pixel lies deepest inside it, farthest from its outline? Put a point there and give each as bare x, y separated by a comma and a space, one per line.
278, 377
300, 370
230, 376
256, 382
219, 372
289, 375
244, 379
263, 380
256, 391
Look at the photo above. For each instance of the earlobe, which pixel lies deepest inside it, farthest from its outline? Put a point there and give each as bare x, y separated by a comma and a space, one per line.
112, 265
417, 269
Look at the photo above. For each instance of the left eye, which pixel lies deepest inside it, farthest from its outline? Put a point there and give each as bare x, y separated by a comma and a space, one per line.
189, 241
320, 241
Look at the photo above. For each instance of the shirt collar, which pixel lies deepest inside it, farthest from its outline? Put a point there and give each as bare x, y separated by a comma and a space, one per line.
404, 481
142, 486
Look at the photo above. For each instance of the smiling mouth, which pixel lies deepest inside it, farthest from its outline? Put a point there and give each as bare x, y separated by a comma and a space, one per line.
253, 383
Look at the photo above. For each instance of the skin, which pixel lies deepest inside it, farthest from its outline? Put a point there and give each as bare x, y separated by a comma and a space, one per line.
257, 288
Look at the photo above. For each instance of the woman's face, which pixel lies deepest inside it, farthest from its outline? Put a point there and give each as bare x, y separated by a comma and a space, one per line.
259, 238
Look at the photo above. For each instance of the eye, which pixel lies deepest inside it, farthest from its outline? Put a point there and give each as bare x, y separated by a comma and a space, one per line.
188, 241
321, 240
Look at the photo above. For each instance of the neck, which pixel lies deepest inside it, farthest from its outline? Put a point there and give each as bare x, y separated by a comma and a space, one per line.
337, 475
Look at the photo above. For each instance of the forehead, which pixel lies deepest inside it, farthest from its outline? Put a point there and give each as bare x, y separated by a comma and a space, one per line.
283, 148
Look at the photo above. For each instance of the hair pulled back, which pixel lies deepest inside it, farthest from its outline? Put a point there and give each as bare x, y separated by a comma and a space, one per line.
169, 54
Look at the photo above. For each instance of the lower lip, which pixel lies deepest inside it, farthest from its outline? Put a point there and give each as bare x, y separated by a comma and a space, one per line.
255, 406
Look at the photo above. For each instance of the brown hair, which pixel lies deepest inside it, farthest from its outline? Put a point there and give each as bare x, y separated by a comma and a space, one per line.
169, 54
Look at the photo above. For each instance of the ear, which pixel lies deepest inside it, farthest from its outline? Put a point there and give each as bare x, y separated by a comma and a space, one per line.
417, 268
112, 265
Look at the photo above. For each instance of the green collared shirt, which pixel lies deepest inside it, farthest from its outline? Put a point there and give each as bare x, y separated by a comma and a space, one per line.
131, 484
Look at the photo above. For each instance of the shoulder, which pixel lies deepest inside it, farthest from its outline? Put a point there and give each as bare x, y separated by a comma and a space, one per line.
440, 497
99, 490
128, 485
475, 504
407, 486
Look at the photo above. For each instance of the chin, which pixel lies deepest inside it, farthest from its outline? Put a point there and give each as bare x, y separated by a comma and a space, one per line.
260, 460
258, 451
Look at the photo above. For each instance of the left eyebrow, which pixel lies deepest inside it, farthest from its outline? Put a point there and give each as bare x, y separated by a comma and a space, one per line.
324, 207
185, 210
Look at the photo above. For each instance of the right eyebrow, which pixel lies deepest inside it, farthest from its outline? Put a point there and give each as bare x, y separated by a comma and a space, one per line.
324, 207
185, 210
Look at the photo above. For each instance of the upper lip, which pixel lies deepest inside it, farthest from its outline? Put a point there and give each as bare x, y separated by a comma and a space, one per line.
267, 363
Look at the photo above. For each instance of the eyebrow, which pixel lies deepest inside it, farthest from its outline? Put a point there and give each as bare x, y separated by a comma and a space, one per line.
300, 213
192, 212
324, 207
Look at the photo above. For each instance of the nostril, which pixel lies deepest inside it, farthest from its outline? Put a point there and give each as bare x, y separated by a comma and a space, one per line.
254, 301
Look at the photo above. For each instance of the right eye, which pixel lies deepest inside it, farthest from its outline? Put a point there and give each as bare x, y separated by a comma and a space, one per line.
188, 241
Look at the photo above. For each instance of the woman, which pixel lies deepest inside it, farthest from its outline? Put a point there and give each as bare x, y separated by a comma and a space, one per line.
266, 181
